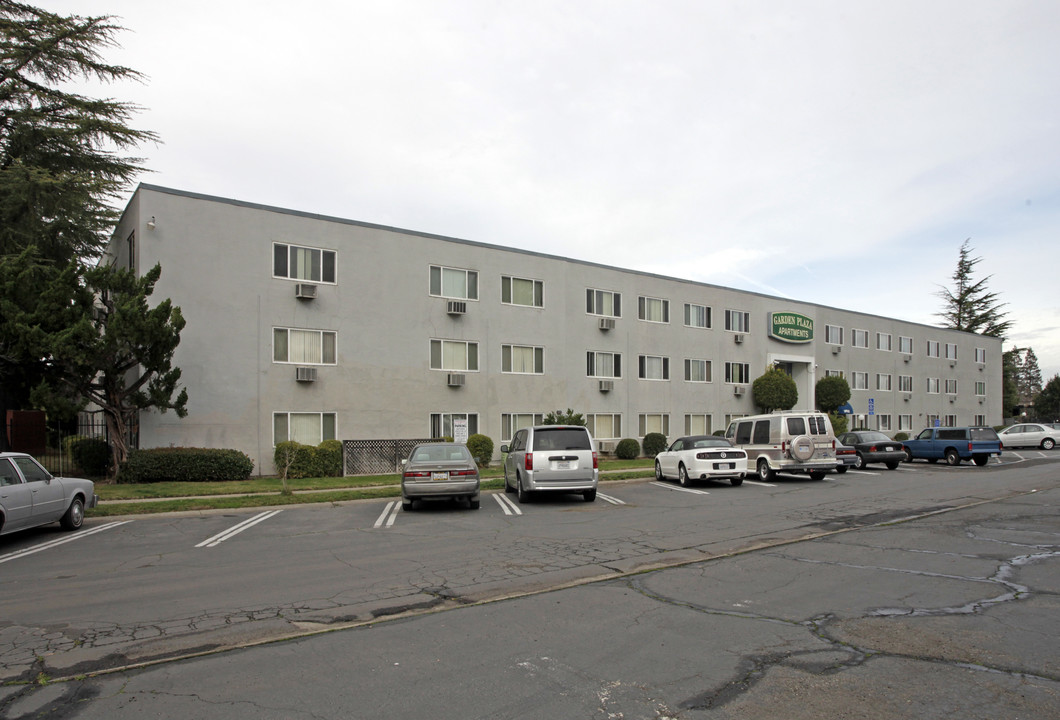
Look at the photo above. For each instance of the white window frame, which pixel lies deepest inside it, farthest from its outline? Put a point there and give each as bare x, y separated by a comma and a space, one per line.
859, 338
593, 364
440, 422
884, 341
980, 388
508, 355
595, 303
934, 348
512, 423
905, 344
320, 264
707, 367
951, 351
859, 380
703, 321
438, 360
951, 386
833, 334
905, 423
653, 367
933, 385
592, 421
833, 373
328, 426
980, 355
660, 419
979, 420
884, 382
738, 321
705, 424
744, 373
949, 421
508, 287
648, 307
883, 423
322, 346
470, 291
905, 383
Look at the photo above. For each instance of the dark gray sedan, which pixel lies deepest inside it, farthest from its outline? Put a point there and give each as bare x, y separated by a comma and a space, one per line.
439, 471
32, 496
874, 447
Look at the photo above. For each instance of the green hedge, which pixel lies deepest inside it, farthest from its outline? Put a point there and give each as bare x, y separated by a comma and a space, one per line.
481, 448
180, 464
307, 461
627, 449
654, 443
92, 455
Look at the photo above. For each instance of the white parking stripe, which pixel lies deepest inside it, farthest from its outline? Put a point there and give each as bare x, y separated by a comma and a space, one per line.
238, 528
678, 487
390, 510
608, 498
54, 543
758, 482
507, 505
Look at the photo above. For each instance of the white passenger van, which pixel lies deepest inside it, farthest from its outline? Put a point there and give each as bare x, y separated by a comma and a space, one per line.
788, 442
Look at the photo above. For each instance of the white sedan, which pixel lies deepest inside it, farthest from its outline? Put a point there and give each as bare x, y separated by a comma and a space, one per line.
1032, 435
31, 496
701, 457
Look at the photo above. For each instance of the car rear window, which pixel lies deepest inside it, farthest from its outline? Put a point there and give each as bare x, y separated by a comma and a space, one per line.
796, 426
984, 434
952, 435
562, 439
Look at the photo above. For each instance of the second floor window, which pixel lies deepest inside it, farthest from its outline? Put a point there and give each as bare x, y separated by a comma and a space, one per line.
833, 334
697, 316
861, 380
883, 381
603, 302
653, 309
737, 321
859, 338
520, 291
654, 367
737, 372
697, 370
603, 364
454, 283
305, 347
883, 341
522, 359
905, 383
454, 355
303, 263
905, 345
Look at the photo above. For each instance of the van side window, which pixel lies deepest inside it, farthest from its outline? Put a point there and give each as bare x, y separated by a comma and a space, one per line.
743, 433
796, 426
761, 436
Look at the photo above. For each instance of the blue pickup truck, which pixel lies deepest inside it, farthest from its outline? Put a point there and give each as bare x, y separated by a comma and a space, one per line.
954, 444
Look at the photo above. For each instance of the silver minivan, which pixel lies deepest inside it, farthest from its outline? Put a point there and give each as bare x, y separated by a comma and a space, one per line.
555, 458
788, 442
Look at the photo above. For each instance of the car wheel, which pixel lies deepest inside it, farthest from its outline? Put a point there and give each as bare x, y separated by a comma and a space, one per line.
523, 494
507, 487
859, 462
406, 504
682, 475
1048, 444
589, 495
658, 471
981, 460
908, 455
75, 515
737, 482
765, 473
841, 469
892, 465
474, 504
817, 475
952, 458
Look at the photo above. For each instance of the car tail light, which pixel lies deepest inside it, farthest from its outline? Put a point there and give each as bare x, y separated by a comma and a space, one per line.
461, 472
784, 447
969, 446
596, 461
528, 461
417, 474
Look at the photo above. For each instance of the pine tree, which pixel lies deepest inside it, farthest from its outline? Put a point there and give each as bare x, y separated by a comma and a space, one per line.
969, 306
1029, 378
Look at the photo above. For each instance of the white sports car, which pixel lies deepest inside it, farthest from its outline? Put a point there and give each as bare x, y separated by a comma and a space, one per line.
701, 457
31, 496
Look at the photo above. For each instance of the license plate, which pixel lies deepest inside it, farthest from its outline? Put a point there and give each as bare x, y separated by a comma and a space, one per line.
725, 466
439, 476
563, 464
889, 447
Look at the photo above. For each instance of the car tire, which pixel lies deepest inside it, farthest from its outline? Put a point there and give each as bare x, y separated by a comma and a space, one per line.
74, 517
892, 465
859, 464
682, 476
737, 482
658, 471
474, 504
908, 455
522, 493
765, 473
406, 505
1048, 444
817, 475
589, 495
981, 460
841, 469
952, 457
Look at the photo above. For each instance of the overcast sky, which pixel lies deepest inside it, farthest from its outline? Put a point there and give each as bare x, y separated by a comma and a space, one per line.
836, 152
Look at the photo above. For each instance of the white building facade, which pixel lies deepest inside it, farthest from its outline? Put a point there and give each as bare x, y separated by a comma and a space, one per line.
306, 327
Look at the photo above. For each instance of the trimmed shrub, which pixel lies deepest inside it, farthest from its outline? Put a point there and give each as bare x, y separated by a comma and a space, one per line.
901, 437
654, 443
627, 449
181, 464
92, 455
481, 448
839, 423
307, 461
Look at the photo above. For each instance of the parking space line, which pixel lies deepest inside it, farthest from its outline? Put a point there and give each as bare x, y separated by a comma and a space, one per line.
862, 472
507, 505
759, 483
608, 498
682, 489
390, 510
54, 543
237, 528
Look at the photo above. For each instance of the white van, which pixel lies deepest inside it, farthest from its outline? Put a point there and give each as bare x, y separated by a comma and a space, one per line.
788, 442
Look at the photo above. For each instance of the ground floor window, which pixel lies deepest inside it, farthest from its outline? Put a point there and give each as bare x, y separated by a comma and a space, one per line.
654, 423
304, 428
512, 423
698, 424
883, 423
931, 420
980, 420
950, 421
442, 423
905, 423
604, 426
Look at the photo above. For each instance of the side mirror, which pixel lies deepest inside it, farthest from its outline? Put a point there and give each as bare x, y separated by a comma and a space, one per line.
504, 448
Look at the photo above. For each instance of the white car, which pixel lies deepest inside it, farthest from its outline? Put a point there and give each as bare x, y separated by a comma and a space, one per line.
701, 457
1034, 435
31, 496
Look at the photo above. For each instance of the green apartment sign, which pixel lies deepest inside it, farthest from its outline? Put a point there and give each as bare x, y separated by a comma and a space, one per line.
791, 327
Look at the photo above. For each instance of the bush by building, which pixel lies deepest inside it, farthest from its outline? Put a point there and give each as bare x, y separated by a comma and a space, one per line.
179, 464
481, 448
654, 443
307, 461
627, 449
92, 455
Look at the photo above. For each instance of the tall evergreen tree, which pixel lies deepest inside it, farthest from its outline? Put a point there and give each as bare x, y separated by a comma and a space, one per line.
969, 305
1029, 379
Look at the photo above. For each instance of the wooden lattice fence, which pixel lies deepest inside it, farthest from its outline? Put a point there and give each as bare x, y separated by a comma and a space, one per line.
376, 457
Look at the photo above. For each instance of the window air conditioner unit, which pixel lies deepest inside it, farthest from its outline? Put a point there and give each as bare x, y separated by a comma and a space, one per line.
607, 385
305, 374
836, 349
906, 358
305, 291
456, 307
607, 446
455, 380
737, 339
907, 398
737, 390
607, 323
953, 363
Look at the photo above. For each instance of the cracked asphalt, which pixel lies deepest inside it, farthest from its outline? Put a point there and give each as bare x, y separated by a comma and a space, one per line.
847, 609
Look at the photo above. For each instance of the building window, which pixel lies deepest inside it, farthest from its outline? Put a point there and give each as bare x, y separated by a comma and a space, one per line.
652, 309
305, 428
883, 423
303, 263
951, 386
905, 383
980, 388
980, 356
883, 382
454, 283
522, 359
883, 341
699, 424
833, 334
949, 421
979, 420
932, 420
305, 347
737, 372
604, 426
905, 345
933, 348
933, 386
833, 373
653, 367
520, 291
859, 338
698, 371
442, 424
861, 380
951, 351
512, 423
905, 423
454, 355
654, 423
603, 364
603, 302
737, 321
697, 316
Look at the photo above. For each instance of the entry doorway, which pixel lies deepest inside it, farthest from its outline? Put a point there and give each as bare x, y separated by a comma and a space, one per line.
802, 371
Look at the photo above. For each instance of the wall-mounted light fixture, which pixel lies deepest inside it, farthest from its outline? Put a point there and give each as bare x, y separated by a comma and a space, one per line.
151, 223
